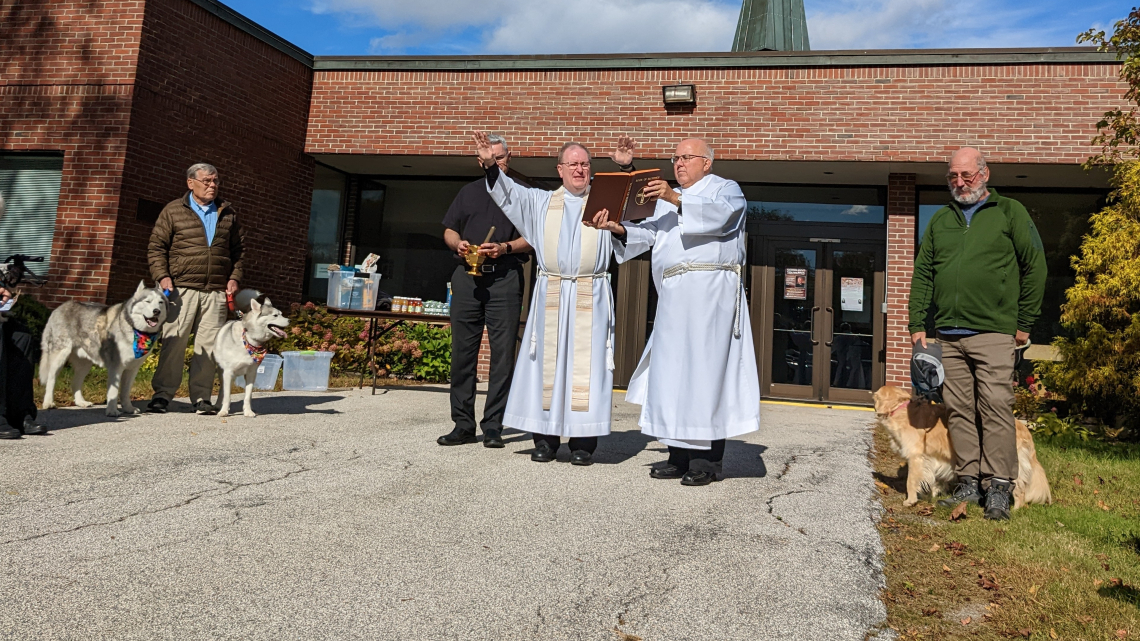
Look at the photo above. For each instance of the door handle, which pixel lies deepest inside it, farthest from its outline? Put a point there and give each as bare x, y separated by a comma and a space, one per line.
814, 311
830, 326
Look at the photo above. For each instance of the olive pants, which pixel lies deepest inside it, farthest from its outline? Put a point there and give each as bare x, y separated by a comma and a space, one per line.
190, 312
979, 394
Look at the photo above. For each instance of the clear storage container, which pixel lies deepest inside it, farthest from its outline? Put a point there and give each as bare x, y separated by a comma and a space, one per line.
340, 289
306, 371
364, 290
266, 374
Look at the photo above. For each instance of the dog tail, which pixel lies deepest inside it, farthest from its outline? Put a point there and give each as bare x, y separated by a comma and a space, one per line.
244, 298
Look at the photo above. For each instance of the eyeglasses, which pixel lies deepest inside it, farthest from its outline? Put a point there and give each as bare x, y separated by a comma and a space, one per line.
576, 165
685, 158
966, 176
209, 181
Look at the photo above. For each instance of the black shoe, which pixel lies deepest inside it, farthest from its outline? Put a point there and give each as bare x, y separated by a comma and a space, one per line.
204, 408
581, 457
542, 453
158, 405
30, 427
667, 472
967, 491
457, 437
998, 498
7, 431
693, 477
493, 439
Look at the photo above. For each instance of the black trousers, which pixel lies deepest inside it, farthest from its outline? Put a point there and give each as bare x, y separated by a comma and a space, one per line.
495, 301
710, 460
588, 443
17, 351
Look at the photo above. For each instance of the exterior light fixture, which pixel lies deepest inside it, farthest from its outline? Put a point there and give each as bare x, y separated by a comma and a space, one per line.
679, 94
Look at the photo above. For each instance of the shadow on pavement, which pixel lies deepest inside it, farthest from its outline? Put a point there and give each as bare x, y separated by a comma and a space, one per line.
744, 460
616, 448
280, 404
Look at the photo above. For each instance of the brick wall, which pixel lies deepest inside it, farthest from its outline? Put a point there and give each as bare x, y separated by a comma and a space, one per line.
483, 366
902, 208
209, 92
1042, 113
67, 69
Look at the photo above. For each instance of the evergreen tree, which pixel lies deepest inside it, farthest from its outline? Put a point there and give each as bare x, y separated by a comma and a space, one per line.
1100, 373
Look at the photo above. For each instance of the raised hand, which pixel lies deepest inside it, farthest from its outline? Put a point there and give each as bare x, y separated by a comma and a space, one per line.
483, 148
623, 153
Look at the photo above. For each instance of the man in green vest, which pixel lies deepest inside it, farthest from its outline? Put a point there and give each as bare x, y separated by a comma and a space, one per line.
981, 263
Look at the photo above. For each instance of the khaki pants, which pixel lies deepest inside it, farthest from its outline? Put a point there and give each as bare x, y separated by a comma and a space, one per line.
979, 394
190, 312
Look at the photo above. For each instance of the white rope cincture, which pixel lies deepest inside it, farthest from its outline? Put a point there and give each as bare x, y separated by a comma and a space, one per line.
677, 270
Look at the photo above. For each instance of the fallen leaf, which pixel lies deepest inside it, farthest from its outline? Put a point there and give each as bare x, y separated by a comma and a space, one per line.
1025, 632
1097, 583
193, 434
1102, 557
929, 612
926, 510
1120, 634
1033, 589
966, 621
987, 584
13, 492
1100, 479
1116, 583
910, 538
883, 487
1064, 569
1085, 620
1105, 566
1102, 505
959, 512
946, 569
1077, 480
934, 548
1052, 633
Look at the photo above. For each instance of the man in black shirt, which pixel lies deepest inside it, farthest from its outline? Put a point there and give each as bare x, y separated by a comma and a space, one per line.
17, 405
492, 299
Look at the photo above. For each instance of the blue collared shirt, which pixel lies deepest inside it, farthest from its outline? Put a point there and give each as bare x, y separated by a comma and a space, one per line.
209, 216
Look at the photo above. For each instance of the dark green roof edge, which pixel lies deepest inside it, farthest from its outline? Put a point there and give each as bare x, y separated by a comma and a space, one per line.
868, 58
257, 31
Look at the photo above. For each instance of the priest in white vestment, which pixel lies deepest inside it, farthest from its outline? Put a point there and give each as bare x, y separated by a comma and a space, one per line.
563, 380
696, 381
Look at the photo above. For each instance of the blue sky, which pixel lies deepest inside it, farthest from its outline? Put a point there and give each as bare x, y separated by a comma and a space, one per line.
460, 27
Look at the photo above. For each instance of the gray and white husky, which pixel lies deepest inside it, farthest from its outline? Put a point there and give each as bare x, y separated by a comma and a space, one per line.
240, 346
117, 337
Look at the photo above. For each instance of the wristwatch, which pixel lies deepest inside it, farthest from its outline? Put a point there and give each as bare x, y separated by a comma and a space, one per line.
508, 246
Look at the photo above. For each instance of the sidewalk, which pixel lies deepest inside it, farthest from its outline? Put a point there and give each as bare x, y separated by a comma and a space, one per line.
336, 516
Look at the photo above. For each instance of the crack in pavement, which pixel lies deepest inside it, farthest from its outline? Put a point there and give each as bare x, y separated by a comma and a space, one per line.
213, 492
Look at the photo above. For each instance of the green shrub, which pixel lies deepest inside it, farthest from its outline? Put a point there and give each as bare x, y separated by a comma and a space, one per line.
32, 313
420, 351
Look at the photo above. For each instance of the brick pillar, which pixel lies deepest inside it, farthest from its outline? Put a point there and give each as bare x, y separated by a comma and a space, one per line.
483, 369
902, 211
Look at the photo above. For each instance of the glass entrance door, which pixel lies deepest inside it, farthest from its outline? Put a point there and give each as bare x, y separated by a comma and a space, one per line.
818, 320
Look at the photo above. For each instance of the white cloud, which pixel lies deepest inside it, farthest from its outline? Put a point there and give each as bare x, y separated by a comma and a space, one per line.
855, 210
544, 26
942, 24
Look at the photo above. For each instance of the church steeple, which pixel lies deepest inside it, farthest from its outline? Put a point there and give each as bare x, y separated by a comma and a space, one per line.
771, 25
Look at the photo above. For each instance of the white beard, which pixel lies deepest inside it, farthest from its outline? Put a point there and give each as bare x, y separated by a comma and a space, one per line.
966, 196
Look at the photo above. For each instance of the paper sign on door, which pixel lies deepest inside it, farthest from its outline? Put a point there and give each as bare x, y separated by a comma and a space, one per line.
851, 294
795, 283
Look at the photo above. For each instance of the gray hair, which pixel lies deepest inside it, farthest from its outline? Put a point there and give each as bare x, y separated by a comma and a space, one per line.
571, 144
496, 139
192, 172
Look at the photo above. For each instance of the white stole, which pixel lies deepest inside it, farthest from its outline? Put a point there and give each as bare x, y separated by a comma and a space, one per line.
583, 316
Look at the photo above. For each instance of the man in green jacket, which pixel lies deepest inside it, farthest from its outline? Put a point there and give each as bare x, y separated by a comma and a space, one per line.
981, 263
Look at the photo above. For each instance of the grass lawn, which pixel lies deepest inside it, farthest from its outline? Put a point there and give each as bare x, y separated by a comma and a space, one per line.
1069, 571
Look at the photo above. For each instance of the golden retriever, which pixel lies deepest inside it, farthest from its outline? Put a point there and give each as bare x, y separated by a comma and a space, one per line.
919, 435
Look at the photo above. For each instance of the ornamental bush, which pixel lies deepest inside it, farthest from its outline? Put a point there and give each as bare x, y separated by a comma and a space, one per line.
419, 351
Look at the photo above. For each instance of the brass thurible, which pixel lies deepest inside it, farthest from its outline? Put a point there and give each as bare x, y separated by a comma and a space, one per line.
474, 258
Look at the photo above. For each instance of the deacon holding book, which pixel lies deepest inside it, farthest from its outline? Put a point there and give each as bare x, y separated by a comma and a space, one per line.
563, 381
697, 381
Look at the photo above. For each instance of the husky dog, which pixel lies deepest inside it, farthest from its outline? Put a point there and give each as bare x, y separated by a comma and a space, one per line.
240, 346
117, 337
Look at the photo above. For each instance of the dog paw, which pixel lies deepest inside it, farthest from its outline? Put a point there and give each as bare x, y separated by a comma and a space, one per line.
249, 414
130, 409
112, 412
910, 502
223, 413
83, 403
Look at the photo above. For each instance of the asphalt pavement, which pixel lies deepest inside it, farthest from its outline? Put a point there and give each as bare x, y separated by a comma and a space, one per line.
334, 515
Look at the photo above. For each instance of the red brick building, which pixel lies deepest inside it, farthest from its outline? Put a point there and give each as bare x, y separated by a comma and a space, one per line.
841, 155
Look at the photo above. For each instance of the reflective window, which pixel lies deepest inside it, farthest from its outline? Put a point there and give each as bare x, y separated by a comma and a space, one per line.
814, 204
325, 216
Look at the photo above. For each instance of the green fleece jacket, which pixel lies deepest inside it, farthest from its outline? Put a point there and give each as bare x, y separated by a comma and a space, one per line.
988, 275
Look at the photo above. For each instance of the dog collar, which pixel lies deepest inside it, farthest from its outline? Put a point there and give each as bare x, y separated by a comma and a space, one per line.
902, 406
144, 343
256, 353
